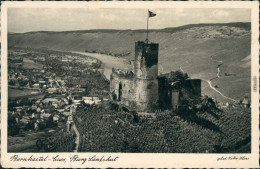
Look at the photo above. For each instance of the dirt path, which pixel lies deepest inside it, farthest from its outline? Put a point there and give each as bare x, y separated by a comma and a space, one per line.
217, 76
74, 128
181, 69
210, 85
77, 137
218, 72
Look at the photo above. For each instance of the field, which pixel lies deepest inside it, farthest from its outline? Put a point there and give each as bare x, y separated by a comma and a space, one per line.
29, 64
12, 93
195, 59
24, 142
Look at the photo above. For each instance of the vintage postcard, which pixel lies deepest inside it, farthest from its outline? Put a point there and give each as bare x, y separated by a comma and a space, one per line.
130, 84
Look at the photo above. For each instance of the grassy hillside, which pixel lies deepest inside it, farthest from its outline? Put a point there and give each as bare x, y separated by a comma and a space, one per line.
196, 49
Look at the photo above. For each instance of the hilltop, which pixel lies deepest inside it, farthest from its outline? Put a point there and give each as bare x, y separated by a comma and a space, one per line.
198, 49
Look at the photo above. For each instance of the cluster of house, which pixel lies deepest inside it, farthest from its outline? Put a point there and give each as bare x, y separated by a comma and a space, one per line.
76, 59
37, 78
14, 75
222, 31
40, 80
56, 99
55, 108
51, 84
245, 102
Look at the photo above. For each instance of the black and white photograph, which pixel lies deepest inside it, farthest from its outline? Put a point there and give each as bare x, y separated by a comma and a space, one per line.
130, 80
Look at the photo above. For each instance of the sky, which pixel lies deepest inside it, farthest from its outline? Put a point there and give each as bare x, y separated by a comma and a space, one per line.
22, 20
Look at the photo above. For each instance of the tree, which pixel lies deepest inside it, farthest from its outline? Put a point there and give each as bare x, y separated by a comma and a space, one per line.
134, 147
136, 118
13, 127
11, 82
177, 78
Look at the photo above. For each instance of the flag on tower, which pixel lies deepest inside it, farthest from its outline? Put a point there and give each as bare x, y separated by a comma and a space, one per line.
151, 14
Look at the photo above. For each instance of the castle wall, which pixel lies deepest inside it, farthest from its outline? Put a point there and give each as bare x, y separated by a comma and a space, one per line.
191, 88
137, 94
128, 90
164, 93
146, 94
114, 82
175, 99
171, 98
127, 96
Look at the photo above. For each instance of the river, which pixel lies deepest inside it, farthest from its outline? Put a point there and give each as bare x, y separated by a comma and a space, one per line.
109, 62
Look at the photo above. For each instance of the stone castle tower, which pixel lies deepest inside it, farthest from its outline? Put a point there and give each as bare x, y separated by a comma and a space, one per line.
142, 90
146, 72
138, 90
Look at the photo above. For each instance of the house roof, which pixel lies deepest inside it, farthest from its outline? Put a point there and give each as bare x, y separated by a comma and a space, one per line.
246, 101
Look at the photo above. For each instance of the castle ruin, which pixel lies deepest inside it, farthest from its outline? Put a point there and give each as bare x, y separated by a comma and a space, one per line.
141, 89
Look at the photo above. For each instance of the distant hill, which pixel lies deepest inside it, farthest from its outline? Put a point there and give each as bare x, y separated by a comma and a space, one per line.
115, 42
197, 49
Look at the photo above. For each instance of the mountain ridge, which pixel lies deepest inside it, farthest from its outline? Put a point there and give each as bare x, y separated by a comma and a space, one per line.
245, 25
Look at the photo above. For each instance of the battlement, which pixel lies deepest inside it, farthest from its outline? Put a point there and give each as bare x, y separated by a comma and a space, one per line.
147, 50
121, 73
144, 43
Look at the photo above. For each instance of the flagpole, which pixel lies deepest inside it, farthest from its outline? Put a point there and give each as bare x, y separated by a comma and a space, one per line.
147, 26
